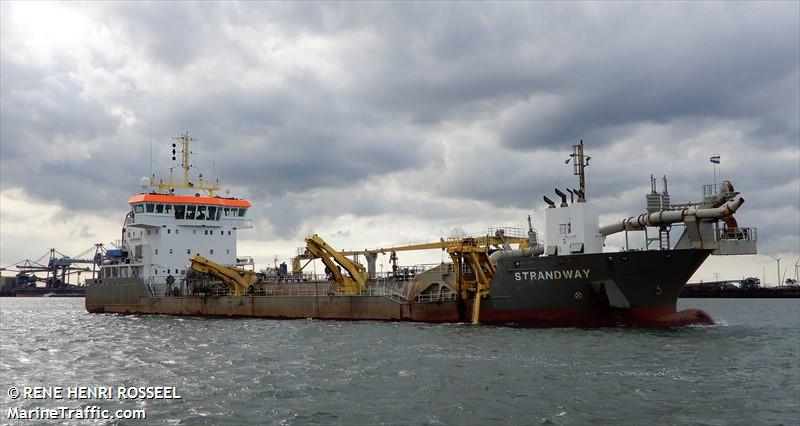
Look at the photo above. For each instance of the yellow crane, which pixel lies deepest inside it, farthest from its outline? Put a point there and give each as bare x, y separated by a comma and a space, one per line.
352, 284
470, 255
496, 240
237, 279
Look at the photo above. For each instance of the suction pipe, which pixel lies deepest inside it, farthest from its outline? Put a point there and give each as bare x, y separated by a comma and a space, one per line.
671, 216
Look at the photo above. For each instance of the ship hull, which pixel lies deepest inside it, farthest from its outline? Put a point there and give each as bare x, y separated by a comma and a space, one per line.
637, 288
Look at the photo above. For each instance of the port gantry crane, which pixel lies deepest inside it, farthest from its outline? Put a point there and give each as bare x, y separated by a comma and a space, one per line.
59, 267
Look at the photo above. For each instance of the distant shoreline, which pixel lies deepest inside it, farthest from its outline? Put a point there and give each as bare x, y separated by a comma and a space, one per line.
696, 291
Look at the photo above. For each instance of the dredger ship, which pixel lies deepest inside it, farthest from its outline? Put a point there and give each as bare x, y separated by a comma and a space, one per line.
177, 256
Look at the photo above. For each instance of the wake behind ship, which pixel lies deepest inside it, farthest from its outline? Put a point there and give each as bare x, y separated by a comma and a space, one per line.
178, 256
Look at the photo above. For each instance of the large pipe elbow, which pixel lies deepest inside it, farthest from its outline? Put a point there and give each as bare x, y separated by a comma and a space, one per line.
722, 211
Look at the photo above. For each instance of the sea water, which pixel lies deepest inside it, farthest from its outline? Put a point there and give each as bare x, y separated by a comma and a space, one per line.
745, 370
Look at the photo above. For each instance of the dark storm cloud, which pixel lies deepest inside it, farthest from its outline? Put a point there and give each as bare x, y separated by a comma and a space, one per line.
533, 77
42, 107
173, 33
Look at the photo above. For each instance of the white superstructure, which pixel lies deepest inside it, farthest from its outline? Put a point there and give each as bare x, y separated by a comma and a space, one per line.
164, 228
573, 228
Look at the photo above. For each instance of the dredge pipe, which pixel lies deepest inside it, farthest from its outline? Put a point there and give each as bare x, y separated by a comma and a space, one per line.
530, 251
668, 217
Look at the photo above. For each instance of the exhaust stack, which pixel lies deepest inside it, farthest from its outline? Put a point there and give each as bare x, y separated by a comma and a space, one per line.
563, 197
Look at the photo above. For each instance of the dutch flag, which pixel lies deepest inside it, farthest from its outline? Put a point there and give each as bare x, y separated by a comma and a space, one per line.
715, 159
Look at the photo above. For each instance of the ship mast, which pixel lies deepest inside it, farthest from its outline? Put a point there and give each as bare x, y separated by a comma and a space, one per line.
580, 163
185, 164
170, 185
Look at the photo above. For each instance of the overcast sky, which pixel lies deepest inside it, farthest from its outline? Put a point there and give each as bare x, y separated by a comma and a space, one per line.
380, 123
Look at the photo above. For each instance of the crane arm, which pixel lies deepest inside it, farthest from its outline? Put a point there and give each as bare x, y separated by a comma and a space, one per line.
317, 247
442, 244
237, 279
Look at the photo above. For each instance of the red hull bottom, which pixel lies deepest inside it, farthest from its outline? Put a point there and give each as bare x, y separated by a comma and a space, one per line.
368, 308
637, 317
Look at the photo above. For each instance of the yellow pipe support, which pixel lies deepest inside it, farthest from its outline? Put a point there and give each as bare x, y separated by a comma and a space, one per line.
476, 308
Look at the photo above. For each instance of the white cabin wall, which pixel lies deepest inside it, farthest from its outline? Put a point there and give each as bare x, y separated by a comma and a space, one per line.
578, 223
215, 240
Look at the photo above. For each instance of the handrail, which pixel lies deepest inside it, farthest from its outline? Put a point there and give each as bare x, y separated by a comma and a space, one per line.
739, 233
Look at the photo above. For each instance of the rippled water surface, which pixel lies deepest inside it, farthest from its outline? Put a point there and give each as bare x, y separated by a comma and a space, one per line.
233, 371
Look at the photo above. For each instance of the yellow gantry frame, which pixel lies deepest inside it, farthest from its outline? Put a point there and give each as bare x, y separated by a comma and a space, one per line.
237, 279
469, 252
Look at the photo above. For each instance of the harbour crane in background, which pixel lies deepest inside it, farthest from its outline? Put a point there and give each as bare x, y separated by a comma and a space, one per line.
58, 268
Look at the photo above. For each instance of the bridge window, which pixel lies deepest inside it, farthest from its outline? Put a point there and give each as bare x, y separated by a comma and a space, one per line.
179, 211
150, 207
241, 212
201, 213
227, 211
212, 213
219, 213
138, 208
159, 208
190, 210
167, 209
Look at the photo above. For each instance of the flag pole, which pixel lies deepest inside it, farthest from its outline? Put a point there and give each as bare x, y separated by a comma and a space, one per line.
715, 177
715, 160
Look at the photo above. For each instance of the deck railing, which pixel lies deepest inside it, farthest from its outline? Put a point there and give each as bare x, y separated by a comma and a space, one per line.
318, 289
747, 234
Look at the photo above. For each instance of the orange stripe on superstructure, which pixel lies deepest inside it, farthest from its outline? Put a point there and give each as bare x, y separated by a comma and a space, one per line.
187, 199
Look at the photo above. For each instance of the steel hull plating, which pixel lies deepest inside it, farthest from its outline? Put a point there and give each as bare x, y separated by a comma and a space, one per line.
627, 288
